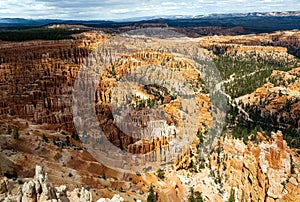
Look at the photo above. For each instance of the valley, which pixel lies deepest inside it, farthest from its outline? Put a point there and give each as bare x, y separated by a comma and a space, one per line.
209, 118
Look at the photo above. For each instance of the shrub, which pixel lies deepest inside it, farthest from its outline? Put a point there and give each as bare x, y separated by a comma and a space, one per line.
160, 173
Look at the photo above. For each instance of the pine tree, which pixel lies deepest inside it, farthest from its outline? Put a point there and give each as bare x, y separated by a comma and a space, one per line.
192, 197
231, 197
151, 195
16, 134
9, 131
198, 197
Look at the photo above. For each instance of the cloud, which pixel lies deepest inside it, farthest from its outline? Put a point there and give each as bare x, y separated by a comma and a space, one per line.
118, 9
169, 3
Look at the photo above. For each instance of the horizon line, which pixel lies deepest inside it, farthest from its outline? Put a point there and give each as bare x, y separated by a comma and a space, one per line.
141, 18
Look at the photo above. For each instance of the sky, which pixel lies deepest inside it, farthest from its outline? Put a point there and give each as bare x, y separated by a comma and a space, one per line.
123, 9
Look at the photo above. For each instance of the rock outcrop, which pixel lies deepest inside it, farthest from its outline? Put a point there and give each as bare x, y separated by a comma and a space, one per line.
280, 45
116, 198
3, 185
257, 172
39, 189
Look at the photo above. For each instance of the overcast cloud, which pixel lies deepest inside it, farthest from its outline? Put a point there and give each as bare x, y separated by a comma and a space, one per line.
120, 9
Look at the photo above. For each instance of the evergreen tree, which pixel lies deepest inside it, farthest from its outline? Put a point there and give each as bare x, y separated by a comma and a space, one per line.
195, 196
16, 133
9, 131
192, 197
198, 197
151, 196
231, 197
